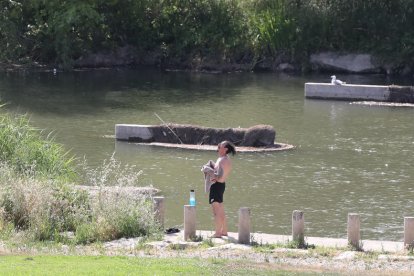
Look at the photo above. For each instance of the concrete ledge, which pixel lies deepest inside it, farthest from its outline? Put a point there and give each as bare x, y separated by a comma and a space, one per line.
128, 131
346, 92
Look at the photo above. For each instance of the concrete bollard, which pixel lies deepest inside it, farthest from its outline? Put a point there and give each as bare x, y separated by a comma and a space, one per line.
244, 225
353, 229
408, 232
189, 222
298, 227
159, 210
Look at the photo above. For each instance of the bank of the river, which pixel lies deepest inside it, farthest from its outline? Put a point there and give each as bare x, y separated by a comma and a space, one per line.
263, 256
329, 62
206, 35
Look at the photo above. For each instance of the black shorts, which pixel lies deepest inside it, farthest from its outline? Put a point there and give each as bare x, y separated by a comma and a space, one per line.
216, 192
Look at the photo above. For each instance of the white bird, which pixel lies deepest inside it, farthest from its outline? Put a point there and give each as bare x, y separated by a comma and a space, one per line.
335, 81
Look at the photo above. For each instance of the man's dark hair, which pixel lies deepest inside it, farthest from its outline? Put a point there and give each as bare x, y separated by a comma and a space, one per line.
231, 148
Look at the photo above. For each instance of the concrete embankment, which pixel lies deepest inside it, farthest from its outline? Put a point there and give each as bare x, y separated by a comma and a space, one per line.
392, 93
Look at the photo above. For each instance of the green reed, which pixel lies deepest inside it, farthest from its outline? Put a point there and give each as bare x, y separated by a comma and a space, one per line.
26, 150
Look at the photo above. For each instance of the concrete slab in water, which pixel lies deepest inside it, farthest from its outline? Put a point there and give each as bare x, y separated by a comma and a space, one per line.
347, 91
147, 135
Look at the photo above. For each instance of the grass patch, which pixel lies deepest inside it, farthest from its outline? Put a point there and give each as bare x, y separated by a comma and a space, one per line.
324, 251
369, 255
207, 243
359, 247
265, 248
196, 238
104, 265
296, 244
261, 247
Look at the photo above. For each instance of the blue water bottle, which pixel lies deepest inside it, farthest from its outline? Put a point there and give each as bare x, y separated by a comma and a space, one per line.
192, 198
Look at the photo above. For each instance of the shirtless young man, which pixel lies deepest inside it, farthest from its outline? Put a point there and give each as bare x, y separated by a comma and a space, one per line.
222, 169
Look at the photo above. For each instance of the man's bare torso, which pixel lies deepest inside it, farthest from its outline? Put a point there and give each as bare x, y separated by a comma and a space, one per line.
223, 163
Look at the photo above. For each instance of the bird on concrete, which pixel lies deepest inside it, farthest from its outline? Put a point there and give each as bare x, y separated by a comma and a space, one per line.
336, 81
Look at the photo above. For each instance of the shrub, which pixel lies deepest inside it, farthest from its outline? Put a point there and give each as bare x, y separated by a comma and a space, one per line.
41, 207
117, 212
44, 209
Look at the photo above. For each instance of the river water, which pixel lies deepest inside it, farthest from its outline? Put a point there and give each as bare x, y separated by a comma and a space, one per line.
348, 158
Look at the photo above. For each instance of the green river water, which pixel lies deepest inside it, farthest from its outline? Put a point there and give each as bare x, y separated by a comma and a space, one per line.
348, 158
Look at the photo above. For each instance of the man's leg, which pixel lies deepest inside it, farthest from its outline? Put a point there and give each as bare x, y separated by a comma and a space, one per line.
218, 219
224, 220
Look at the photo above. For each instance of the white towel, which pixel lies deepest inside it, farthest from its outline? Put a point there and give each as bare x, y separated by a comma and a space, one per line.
209, 174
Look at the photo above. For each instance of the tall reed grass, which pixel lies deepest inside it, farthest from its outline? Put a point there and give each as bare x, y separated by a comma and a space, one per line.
39, 200
44, 209
39, 207
27, 152
117, 212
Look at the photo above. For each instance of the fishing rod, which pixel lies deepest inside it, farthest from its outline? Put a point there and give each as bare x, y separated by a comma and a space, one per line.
168, 127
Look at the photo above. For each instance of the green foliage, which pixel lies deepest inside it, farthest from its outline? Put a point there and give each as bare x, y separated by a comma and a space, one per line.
60, 32
43, 208
117, 212
64, 30
11, 45
24, 148
46, 209
201, 27
129, 22
86, 233
299, 244
275, 30
207, 243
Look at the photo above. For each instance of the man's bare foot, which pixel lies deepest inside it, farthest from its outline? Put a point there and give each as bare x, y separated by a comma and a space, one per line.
225, 234
215, 236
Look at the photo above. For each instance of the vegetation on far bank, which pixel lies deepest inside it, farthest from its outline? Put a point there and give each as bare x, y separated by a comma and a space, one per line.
39, 201
224, 31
